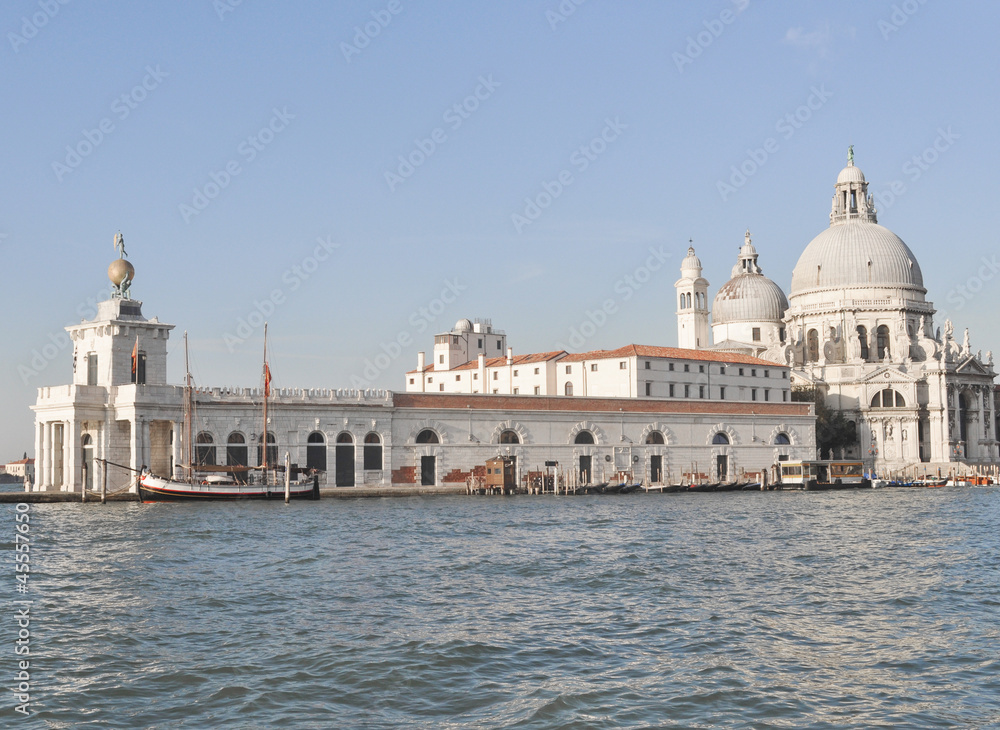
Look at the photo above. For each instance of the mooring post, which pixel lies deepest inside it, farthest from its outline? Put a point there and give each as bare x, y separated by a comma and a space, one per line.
288, 476
104, 480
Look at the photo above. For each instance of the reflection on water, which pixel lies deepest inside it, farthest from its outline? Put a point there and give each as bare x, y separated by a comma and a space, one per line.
744, 610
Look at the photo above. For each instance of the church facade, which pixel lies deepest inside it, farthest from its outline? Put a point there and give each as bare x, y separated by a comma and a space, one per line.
858, 326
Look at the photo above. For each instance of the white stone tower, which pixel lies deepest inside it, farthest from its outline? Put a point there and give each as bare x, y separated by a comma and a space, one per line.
692, 304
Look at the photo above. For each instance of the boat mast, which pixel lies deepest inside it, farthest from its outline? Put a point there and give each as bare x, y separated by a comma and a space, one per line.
267, 391
189, 408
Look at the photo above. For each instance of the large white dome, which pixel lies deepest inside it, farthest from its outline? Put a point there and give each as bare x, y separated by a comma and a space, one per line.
856, 254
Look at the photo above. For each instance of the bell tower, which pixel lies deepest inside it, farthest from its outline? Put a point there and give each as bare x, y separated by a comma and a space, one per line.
692, 304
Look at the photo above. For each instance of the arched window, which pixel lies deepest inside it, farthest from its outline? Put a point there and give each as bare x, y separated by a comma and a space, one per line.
812, 344
427, 437
882, 342
654, 437
373, 452
584, 437
782, 439
345, 438
204, 449
569, 388
316, 451
863, 341
720, 438
509, 437
272, 451
888, 398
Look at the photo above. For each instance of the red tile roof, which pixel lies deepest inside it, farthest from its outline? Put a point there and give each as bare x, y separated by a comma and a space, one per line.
596, 404
495, 362
674, 353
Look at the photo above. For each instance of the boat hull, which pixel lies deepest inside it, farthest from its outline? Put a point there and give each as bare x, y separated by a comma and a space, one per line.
155, 489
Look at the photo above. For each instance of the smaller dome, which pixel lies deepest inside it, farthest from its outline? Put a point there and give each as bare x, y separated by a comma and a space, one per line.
462, 325
691, 261
749, 298
851, 174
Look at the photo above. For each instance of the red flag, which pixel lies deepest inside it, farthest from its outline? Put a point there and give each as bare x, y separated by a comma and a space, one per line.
267, 381
135, 354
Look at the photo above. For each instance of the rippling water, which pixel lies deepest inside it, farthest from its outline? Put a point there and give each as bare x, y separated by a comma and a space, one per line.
860, 608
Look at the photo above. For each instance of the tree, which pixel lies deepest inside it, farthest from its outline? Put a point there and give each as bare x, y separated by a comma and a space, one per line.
833, 430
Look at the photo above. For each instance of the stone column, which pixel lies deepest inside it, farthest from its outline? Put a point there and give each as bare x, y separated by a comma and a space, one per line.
73, 450
38, 454
45, 462
135, 445
176, 448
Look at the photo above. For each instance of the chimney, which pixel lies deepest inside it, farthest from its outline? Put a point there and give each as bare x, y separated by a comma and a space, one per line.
510, 355
420, 361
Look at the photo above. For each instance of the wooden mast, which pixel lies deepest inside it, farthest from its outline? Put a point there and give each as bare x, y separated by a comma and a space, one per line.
267, 389
189, 407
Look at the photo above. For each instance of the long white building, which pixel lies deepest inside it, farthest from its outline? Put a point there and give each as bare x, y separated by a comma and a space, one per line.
650, 413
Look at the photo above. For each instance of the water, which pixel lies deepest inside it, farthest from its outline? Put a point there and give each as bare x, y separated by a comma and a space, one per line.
838, 609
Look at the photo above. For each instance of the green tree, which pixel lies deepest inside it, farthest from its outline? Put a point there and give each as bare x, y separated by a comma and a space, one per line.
833, 430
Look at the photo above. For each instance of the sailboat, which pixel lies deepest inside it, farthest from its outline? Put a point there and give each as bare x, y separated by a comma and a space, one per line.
153, 488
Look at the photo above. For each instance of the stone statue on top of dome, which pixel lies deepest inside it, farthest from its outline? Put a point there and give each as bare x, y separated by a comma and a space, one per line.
989, 358
949, 329
966, 348
850, 155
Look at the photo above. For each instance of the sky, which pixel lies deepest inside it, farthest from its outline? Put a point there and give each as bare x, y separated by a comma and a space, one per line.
364, 174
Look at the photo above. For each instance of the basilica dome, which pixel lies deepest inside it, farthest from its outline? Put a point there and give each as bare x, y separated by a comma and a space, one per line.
855, 251
855, 254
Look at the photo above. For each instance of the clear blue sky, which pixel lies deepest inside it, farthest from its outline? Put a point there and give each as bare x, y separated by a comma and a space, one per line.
534, 89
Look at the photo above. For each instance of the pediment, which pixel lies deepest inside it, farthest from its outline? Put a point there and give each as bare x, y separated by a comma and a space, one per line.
972, 366
888, 375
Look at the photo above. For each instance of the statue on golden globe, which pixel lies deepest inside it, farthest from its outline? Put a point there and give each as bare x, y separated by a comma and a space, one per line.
121, 272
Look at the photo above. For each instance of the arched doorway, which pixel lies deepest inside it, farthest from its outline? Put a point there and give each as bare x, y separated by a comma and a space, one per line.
205, 449
721, 460
586, 460
88, 462
316, 451
345, 460
428, 462
272, 451
236, 455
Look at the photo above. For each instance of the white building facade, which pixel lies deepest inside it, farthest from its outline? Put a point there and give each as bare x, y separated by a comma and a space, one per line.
858, 327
